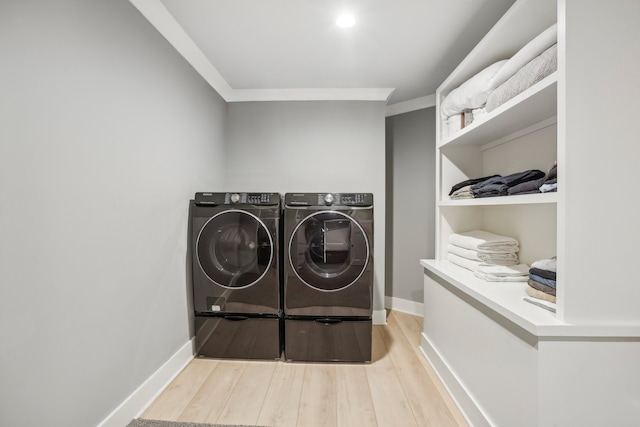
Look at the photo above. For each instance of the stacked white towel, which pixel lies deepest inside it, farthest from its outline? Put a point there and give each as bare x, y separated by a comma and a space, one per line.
503, 273
490, 256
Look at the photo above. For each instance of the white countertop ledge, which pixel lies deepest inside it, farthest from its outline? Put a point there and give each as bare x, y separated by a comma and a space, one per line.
507, 299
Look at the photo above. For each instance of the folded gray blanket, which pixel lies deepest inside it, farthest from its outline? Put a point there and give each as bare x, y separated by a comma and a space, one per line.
534, 71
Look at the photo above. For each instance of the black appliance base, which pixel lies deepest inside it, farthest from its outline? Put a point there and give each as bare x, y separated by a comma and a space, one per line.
327, 339
238, 336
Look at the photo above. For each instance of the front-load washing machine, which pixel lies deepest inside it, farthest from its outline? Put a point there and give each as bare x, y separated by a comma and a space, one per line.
328, 277
236, 274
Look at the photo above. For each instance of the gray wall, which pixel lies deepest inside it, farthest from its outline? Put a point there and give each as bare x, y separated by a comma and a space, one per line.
105, 134
411, 201
312, 147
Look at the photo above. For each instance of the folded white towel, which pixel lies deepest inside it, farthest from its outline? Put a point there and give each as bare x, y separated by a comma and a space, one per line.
504, 270
492, 278
469, 264
502, 258
500, 261
484, 241
463, 252
499, 258
550, 264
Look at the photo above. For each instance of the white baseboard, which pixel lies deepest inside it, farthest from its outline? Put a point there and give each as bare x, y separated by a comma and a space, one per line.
458, 392
379, 317
405, 306
135, 404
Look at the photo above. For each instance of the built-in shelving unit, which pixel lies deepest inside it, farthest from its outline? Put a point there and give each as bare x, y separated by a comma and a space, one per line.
536, 104
518, 135
505, 360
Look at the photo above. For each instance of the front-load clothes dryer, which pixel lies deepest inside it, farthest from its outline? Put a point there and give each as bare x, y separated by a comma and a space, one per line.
328, 277
236, 274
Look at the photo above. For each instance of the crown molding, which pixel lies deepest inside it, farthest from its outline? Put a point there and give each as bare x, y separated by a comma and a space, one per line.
411, 105
311, 94
158, 15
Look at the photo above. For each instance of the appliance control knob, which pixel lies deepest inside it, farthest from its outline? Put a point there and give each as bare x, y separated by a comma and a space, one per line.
328, 199
235, 198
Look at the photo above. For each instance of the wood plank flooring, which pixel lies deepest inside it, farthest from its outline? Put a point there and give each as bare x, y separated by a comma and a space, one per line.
398, 388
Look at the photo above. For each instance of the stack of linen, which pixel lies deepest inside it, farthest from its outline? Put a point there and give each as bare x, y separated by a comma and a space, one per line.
500, 186
546, 184
542, 280
490, 256
525, 182
463, 190
499, 82
502, 273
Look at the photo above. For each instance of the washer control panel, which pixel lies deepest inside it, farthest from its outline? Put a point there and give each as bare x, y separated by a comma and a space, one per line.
259, 198
214, 199
252, 198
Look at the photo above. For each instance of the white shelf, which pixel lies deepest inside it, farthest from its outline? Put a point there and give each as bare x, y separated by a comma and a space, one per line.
534, 105
522, 199
507, 299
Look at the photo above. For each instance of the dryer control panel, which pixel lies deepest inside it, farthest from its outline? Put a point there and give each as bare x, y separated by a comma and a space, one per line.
355, 199
328, 199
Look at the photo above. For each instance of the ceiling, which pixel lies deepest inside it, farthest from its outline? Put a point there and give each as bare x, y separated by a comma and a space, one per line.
398, 50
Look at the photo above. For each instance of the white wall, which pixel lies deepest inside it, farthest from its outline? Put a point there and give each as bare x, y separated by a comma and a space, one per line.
105, 134
312, 147
411, 194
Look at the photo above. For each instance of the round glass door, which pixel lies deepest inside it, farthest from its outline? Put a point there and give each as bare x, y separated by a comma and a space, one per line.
234, 249
328, 250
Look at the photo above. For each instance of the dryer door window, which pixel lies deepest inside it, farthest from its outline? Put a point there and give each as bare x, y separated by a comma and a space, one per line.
235, 249
328, 250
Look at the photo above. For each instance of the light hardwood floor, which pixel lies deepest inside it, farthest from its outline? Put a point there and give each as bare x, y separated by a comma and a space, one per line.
398, 388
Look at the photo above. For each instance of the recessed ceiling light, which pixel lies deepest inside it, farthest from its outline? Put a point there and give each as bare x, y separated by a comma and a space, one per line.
345, 21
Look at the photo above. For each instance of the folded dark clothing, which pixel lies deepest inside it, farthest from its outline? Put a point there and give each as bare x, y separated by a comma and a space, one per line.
510, 180
491, 190
542, 280
542, 287
469, 182
533, 186
551, 181
551, 275
527, 187
500, 186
